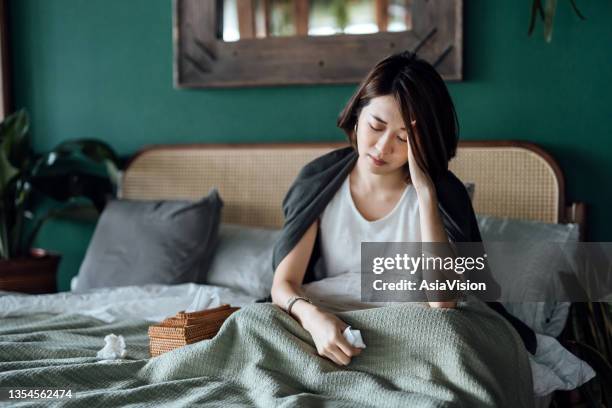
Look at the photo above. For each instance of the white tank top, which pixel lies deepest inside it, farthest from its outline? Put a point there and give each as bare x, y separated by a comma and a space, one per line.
342, 228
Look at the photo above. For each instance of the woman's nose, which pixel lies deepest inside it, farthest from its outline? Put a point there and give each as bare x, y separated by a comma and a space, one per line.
384, 145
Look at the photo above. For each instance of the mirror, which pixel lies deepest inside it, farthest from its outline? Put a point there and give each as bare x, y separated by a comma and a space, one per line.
248, 19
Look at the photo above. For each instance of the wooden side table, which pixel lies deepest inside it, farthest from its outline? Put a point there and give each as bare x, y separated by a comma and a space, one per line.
37, 274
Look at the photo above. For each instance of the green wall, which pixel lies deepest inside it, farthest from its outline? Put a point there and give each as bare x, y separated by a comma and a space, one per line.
93, 68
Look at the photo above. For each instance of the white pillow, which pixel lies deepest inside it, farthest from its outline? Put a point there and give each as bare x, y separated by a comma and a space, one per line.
243, 259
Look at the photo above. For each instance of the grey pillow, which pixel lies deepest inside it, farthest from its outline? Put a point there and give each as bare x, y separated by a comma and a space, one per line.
243, 259
543, 317
143, 242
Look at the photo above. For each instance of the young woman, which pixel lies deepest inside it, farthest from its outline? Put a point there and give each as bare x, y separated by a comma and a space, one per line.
392, 185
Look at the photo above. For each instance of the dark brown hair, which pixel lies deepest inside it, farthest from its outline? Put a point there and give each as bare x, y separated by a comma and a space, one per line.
421, 95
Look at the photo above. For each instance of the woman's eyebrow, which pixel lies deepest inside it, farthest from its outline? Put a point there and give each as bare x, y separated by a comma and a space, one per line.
382, 121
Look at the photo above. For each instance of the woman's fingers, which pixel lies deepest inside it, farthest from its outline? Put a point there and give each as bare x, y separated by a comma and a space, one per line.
332, 357
340, 351
337, 355
326, 352
420, 179
346, 347
326, 330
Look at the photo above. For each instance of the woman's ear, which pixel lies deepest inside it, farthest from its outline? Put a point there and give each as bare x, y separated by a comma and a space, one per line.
354, 138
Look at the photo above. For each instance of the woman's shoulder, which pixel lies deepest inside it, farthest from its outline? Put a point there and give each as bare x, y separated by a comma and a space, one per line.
325, 162
319, 180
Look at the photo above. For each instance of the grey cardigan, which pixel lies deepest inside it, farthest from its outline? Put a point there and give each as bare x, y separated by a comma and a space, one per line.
318, 182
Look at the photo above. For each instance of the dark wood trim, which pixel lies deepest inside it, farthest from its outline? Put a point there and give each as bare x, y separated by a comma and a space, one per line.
576, 213
409, 14
246, 18
382, 14
267, 16
203, 60
302, 10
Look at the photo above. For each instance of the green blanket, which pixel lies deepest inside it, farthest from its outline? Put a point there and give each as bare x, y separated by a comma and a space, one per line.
415, 357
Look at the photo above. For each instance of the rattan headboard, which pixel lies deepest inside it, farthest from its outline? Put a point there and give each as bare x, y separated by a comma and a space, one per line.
513, 179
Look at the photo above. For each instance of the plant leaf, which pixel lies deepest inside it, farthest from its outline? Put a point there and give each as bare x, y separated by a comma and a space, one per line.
14, 138
597, 361
4, 242
14, 147
7, 172
71, 210
578, 13
549, 15
78, 158
63, 187
536, 7
91, 149
540, 9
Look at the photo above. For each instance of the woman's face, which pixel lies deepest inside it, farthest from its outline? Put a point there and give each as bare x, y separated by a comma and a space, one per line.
382, 138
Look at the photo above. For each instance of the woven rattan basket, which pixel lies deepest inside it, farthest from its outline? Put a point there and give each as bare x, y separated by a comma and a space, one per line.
187, 328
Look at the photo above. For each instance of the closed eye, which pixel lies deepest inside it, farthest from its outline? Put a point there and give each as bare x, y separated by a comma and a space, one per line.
380, 130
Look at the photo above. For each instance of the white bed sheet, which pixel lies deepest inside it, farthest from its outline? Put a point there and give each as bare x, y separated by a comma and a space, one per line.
150, 302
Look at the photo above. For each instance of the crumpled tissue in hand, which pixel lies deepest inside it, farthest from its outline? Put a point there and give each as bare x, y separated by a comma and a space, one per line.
353, 337
113, 349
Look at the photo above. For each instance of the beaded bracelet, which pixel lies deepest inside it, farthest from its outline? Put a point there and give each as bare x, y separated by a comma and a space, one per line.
294, 299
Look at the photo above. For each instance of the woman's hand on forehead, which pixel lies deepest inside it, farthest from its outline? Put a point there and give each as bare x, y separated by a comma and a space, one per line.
420, 179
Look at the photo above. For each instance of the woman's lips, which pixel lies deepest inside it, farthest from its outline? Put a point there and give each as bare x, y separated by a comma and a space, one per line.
376, 161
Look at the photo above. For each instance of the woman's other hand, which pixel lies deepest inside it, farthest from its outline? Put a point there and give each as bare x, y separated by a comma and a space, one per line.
326, 331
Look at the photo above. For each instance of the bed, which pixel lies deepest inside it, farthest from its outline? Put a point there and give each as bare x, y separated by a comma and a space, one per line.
51, 340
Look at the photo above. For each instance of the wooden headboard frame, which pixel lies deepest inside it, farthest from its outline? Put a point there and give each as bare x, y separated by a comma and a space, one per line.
513, 179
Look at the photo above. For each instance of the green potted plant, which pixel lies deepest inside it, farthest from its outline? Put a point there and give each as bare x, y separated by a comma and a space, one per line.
547, 15
80, 175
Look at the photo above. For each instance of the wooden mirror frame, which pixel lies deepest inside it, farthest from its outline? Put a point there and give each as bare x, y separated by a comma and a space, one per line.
203, 60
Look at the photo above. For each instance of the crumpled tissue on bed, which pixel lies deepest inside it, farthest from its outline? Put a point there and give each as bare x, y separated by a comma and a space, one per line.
353, 337
113, 349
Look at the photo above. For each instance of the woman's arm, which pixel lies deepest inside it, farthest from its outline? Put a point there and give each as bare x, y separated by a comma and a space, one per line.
432, 228
325, 328
290, 273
